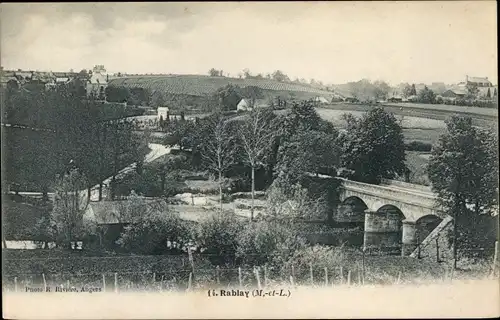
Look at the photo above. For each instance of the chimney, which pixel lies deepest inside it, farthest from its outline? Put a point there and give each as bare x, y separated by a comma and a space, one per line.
466, 78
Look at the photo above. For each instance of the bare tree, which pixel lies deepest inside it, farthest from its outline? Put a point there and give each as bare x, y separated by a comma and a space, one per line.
219, 151
255, 134
71, 202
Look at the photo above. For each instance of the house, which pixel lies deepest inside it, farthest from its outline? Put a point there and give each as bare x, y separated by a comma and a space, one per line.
321, 100
395, 99
454, 94
481, 83
337, 98
109, 220
97, 83
9, 78
438, 87
162, 113
248, 104
412, 98
478, 81
351, 100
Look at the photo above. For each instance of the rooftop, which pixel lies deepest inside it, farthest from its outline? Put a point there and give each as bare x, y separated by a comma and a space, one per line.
478, 79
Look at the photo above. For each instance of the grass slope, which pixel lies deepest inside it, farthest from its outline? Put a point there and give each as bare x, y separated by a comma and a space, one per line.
199, 85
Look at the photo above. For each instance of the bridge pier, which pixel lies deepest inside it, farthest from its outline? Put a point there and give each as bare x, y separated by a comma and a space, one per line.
409, 237
382, 231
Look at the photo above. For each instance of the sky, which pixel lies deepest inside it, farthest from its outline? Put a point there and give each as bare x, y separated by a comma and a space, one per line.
334, 42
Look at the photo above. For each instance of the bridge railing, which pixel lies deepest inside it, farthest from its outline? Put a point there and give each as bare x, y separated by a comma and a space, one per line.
417, 198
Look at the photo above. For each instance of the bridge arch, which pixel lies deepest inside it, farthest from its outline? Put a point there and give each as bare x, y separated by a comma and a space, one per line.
351, 211
383, 229
424, 226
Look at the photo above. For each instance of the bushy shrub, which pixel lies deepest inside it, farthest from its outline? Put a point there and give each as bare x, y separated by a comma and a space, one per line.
217, 236
268, 242
156, 232
418, 146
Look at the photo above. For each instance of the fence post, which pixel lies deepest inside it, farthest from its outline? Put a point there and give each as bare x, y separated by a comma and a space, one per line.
311, 273
15, 284
495, 258
293, 271
116, 282
418, 247
437, 249
363, 262
398, 280
239, 276
161, 283
217, 274
44, 283
360, 278
256, 270
265, 275
341, 275
349, 277
67, 283
190, 281
103, 283
326, 276
291, 281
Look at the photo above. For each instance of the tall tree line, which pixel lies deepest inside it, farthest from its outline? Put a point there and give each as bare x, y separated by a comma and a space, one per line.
45, 131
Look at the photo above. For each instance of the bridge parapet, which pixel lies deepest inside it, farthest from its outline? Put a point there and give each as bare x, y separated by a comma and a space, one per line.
416, 197
414, 204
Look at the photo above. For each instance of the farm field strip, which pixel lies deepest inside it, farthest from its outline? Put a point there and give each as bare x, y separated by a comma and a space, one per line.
449, 108
198, 85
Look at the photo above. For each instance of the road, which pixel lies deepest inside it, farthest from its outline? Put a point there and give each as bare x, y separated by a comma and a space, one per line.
157, 150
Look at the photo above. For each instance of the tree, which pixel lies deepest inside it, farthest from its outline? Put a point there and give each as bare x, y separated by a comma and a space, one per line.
218, 152
228, 97
488, 94
472, 91
252, 93
154, 228
373, 146
381, 90
70, 204
214, 73
312, 152
407, 90
278, 75
413, 91
217, 235
255, 133
157, 99
463, 169
426, 95
246, 73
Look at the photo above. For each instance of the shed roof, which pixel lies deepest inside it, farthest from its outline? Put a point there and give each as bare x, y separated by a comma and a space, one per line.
478, 79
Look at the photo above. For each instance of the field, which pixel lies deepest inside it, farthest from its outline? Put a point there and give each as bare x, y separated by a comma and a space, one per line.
198, 85
449, 108
414, 128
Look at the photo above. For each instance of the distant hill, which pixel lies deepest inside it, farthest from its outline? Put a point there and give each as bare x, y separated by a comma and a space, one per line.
199, 85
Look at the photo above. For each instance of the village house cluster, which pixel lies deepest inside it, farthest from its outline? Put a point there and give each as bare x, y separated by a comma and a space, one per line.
95, 81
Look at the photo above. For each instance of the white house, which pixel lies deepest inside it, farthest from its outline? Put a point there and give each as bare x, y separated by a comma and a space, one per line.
321, 100
98, 82
162, 113
246, 104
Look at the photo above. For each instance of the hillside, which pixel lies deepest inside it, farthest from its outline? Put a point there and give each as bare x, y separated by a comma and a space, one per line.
199, 85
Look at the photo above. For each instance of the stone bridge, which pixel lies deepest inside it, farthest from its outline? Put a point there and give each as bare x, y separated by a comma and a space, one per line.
397, 215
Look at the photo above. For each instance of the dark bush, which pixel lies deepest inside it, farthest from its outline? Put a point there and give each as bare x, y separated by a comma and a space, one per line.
418, 146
